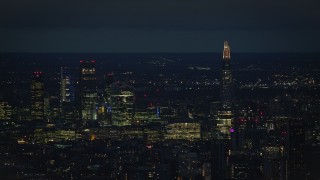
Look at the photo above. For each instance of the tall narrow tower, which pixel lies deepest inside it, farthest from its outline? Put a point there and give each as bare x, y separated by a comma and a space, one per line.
225, 115
227, 83
66, 95
67, 86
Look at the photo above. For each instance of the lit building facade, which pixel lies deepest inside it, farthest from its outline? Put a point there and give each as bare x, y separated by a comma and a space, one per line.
5, 111
183, 131
148, 115
37, 96
88, 90
122, 100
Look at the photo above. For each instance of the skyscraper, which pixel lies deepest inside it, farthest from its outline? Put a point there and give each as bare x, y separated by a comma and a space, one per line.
104, 112
225, 115
227, 82
37, 96
67, 88
88, 90
122, 102
66, 95
109, 79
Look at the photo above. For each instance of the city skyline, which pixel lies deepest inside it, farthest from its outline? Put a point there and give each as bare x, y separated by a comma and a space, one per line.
160, 89
158, 26
160, 116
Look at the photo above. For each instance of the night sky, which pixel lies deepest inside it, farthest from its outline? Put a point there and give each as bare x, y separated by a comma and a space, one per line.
159, 25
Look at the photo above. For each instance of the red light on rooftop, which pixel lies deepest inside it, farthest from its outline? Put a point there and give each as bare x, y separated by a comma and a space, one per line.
81, 61
37, 73
93, 61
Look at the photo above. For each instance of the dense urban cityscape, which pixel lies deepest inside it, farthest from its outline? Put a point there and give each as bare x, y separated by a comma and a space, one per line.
160, 116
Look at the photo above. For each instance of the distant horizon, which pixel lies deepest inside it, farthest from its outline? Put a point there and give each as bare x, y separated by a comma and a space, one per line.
204, 52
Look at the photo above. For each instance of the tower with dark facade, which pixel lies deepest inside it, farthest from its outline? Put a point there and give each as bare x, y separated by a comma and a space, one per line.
225, 114
88, 91
37, 96
104, 112
295, 147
